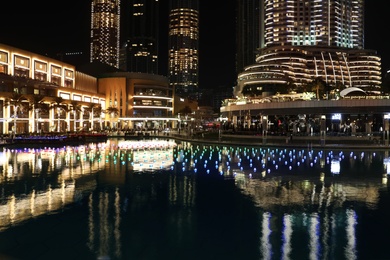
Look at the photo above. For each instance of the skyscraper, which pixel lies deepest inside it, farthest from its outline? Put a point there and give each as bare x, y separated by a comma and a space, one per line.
140, 23
183, 45
105, 32
249, 32
337, 23
309, 40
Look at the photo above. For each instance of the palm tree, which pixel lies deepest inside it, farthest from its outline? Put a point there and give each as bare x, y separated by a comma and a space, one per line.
318, 86
112, 111
58, 104
37, 105
97, 111
93, 109
185, 110
16, 101
75, 107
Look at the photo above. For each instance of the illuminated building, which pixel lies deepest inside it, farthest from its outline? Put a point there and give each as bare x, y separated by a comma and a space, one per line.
105, 32
337, 23
304, 41
144, 101
312, 76
41, 94
183, 41
140, 50
249, 31
40, 81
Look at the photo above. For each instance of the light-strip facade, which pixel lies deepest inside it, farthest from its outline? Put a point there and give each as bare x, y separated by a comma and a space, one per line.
105, 32
183, 55
306, 40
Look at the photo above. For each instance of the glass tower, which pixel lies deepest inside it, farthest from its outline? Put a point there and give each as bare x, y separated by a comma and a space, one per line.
249, 31
139, 52
183, 45
105, 32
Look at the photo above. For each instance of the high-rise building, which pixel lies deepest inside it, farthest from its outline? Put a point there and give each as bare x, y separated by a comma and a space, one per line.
140, 27
183, 45
309, 40
105, 32
249, 32
336, 23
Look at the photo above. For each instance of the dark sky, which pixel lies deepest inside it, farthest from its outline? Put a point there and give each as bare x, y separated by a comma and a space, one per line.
50, 27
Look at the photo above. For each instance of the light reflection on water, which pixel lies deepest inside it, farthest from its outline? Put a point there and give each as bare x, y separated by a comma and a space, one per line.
142, 198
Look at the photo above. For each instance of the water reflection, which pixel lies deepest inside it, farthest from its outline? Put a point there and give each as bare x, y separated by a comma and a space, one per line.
308, 203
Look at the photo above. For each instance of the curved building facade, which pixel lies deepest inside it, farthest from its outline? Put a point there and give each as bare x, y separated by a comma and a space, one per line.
300, 65
308, 40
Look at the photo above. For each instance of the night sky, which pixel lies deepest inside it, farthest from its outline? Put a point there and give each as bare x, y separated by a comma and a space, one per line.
47, 27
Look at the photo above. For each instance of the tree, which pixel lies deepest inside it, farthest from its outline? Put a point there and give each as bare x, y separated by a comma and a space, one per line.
37, 105
58, 104
16, 101
98, 110
290, 86
317, 86
112, 111
76, 108
94, 109
185, 110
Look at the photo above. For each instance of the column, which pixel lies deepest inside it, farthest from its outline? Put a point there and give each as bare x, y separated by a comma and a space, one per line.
265, 128
68, 121
323, 129
386, 119
31, 121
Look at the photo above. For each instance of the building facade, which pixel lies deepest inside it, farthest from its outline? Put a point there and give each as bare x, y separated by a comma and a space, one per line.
105, 32
336, 23
304, 41
140, 27
183, 45
143, 101
249, 32
40, 94
312, 76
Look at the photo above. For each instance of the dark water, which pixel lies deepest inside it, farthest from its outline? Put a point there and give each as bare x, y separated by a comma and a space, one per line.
167, 200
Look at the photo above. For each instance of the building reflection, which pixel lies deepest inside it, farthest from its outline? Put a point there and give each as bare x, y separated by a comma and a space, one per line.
34, 182
298, 193
317, 209
311, 205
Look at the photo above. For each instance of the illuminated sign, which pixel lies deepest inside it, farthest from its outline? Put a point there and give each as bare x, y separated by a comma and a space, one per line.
336, 117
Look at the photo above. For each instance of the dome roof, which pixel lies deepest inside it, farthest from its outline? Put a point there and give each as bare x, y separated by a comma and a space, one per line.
347, 91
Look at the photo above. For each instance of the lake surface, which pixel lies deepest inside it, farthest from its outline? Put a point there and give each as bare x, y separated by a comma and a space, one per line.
177, 200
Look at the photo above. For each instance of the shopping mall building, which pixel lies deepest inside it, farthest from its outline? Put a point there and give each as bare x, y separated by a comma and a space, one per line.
41, 94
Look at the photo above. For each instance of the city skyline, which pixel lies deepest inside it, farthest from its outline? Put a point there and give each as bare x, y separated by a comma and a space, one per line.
68, 30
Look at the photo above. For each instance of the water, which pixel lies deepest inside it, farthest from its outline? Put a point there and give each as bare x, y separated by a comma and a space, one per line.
168, 200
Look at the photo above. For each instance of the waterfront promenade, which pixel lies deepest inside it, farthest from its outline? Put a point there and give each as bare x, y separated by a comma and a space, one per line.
268, 141
280, 141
